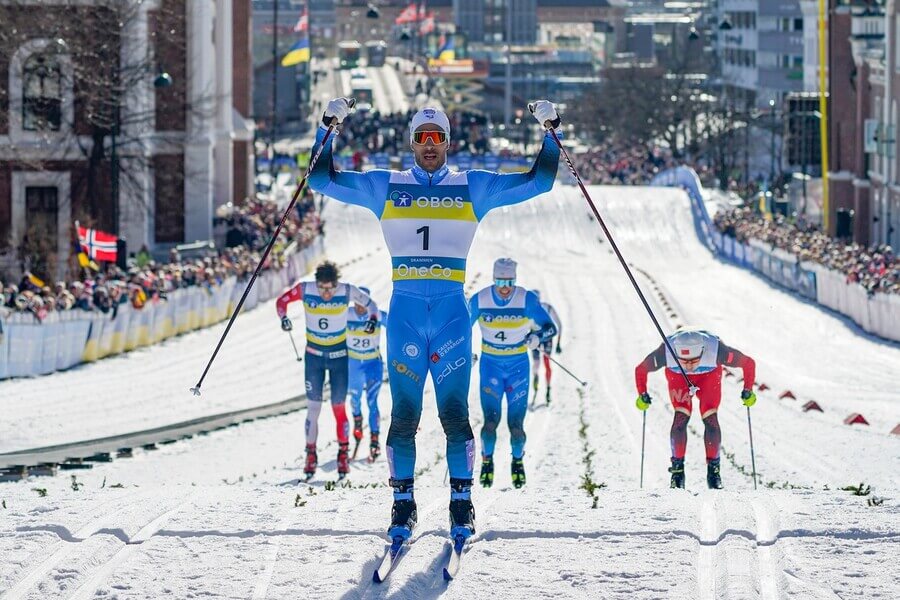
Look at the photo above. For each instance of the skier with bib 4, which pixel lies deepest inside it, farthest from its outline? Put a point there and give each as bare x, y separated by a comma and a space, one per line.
507, 315
366, 371
325, 303
702, 355
429, 215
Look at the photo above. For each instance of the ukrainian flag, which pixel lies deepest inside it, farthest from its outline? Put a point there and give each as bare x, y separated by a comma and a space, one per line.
447, 51
299, 53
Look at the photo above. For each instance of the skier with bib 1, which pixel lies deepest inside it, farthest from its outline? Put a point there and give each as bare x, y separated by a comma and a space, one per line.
507, 315
429, 215
702, 355
546, 348
325, 303
366, 371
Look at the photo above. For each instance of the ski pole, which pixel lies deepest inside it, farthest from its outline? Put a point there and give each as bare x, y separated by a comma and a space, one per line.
568, 372
297, 354
615, 247
752, 453
237, 309
643, 437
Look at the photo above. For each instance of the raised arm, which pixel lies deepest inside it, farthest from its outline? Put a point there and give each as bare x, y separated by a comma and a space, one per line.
292, 294
730, 357
357, 296
492, 190
367, 189
474, 310
655, 361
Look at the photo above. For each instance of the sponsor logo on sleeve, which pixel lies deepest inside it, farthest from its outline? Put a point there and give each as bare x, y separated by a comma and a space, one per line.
411, 350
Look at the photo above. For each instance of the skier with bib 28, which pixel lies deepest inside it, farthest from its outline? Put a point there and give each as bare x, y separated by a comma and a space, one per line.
546, 348
429, 215
702, 355
366, 371
507, 315
325, 303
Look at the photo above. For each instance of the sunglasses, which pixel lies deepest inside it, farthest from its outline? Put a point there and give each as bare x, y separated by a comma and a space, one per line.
504, 282
424, 137
326, 287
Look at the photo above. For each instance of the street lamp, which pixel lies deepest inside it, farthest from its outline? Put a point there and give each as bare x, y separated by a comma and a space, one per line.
772, 145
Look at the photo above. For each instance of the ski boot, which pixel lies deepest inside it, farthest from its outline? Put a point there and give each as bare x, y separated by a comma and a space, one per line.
677, 471
357, 428
343, 460
462, 513
487, 471
713, 475
518, 473
548, 394
312, 461
374, 448
403, 513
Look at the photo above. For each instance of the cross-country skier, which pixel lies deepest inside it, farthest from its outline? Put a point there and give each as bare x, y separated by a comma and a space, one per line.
702, 355
546, 348
507, 315
429, 216
366, 371
325, 302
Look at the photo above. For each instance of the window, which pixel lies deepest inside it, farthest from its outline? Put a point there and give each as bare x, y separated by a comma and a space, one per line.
798, 24
41, 93
42, 206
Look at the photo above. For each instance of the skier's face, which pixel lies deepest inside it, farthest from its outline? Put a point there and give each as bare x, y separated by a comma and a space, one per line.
689, 364
430, 154
360, 309
504, 287
326, 289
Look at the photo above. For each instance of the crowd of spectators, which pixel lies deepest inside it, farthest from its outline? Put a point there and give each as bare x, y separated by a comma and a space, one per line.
876, 268
147, 280
614, 163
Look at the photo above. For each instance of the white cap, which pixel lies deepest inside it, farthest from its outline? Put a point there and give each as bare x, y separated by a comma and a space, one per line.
430, 115
688, 344
504, 268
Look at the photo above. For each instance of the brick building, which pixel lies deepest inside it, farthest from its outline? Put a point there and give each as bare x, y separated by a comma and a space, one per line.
78, 75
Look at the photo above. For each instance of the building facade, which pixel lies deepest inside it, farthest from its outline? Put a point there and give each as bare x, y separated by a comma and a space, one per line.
154, 169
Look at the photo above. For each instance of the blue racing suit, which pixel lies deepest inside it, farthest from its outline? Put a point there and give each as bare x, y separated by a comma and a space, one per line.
505, 327
429, 221
366, 366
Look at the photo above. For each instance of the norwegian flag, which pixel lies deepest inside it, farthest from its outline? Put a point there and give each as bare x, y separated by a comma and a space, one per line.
427, 24
408, 15
98, 245
303, 23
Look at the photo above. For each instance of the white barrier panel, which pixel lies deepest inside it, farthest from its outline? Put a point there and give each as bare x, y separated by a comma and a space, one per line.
29, 347
877, 313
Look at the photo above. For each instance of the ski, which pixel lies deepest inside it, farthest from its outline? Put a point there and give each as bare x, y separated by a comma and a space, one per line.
356, 449
391, 557
452, 567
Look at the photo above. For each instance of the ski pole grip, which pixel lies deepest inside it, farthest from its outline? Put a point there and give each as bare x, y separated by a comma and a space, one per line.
351, 102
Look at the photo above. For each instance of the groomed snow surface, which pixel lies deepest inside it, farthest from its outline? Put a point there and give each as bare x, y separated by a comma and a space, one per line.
224, 516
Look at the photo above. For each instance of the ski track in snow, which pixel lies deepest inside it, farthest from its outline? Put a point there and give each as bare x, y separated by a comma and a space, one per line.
223, 515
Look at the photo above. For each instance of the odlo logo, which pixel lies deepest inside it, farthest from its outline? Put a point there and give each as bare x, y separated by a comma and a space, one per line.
454, 366
404, 370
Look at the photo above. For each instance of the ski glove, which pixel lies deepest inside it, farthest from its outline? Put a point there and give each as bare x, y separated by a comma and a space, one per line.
749, 398
286, 324
643, 401
474, 358
370, 325
339, 109
543, 111
533, 341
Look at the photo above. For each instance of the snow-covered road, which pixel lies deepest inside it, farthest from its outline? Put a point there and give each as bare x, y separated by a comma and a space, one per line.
222, 515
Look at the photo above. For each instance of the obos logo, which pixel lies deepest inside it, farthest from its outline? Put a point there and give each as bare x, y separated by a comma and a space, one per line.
428, 112
439, 202
312, 304
401, 199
